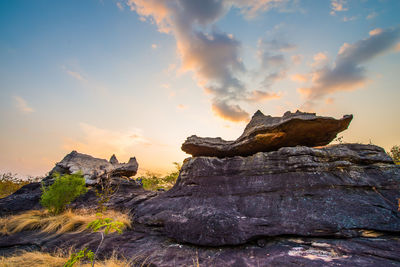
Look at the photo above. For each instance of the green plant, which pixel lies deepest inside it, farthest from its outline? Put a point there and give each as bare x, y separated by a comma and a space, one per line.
107, 225
63, 191
395, 154
77, 257
153, 182
104, 193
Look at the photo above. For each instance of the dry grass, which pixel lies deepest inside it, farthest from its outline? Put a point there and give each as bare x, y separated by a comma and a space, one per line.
68, 221
40, 259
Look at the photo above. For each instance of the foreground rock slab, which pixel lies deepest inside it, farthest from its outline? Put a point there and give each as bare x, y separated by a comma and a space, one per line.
333, 191
151, 249
266, 133
94, 168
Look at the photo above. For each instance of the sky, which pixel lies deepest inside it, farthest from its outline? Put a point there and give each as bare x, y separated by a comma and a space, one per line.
137, 77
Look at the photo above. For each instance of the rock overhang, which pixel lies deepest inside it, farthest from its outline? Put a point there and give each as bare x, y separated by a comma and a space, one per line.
267, 133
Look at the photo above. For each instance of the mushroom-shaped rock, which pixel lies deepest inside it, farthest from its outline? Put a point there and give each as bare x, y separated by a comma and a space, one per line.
267, 133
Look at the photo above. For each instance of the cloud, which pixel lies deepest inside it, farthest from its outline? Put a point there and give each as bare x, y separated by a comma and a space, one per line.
346, 19
338, 6
296, 59
376, 31
120, 6
273, 60
397, 47
22, 105
372, 15
75, 75
251, 8
154, 46
181, 107
85, 81
259, 96
230, 112
348, 71
211, 54
329, 101
301, 78
105, 142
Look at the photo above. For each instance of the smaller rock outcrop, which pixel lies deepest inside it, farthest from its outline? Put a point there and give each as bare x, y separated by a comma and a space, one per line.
126, 169
94, 168
95, 171
266, 133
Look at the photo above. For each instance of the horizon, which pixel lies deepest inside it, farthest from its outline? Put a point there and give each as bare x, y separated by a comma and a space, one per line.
135, 78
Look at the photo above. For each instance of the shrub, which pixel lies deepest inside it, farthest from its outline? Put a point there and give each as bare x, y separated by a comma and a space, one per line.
63, 191
395, 154
153, 182
104, 193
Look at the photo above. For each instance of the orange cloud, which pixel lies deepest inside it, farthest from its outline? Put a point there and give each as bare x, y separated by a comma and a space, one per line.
375, 31
397, 47
259, 96
213, 56
301, 78
22, 105
230, 112
338, 6
347, 72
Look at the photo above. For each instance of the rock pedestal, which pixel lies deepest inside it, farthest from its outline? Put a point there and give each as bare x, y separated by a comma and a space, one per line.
338, 191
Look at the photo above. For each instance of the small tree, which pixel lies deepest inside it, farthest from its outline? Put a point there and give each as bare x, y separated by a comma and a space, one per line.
104, 193
63, 191
395, 154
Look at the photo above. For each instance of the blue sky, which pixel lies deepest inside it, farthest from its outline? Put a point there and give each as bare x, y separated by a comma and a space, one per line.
137, 77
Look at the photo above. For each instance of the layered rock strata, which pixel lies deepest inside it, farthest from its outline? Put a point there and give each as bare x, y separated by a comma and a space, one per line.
335, 191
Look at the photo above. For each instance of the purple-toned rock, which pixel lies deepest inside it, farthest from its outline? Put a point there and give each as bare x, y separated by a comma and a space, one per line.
266, 133
336, 191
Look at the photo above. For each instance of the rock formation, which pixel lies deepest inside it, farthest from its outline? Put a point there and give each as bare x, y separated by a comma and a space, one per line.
266, 133
336, 191
267, 199
94, 168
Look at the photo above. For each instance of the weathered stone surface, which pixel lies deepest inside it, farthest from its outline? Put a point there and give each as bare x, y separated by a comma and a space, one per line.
146, 249
126, 169
333, 191
26, 198
266, 133
94, 168
113, 160
127, 195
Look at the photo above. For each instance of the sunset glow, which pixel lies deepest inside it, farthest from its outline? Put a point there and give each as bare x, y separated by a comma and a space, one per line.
136, 77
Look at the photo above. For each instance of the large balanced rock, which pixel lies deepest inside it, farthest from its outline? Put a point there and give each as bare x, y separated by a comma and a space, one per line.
266, 133
339, 191
94, 168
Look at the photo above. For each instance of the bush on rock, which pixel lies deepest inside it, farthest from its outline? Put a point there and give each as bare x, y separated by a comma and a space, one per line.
63, 191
